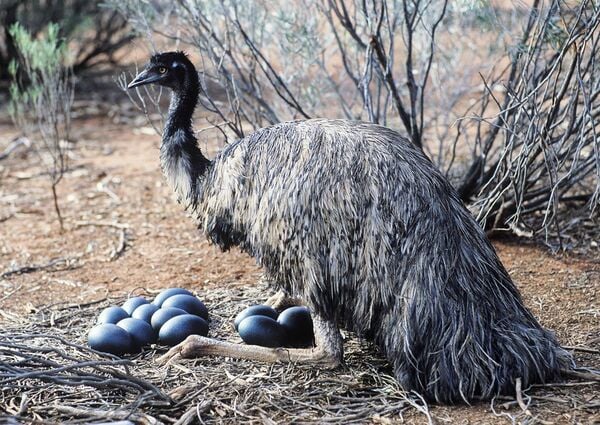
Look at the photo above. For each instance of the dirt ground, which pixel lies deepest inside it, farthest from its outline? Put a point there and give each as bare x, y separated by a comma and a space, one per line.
124, 233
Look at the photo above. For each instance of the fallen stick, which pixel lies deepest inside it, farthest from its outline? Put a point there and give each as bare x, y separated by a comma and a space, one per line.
14, 144
193, 413
102, 224
39, 267
583, 375
120, 415
582, 349
121, 245
6, 217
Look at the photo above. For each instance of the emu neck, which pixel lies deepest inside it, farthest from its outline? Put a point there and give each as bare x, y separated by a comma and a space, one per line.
182, 162
181, 109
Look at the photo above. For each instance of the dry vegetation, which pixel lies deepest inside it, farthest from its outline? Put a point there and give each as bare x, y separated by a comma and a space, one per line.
124, 234
501, 95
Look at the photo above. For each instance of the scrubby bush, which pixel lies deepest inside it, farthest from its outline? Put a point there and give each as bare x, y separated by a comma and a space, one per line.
41, 98
503, 100
97, 33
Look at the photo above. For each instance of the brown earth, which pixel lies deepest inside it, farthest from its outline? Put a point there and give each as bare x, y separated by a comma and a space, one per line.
115, 189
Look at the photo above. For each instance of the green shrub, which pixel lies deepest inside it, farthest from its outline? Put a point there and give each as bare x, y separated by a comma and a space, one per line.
41, 96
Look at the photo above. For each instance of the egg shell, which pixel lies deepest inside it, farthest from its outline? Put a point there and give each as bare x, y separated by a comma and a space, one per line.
141, 332
254, 310
163, 314
178, 328
110, 338
144, 312
167, 293
189, 303
262, 330
298, 326
132, 303
112, 314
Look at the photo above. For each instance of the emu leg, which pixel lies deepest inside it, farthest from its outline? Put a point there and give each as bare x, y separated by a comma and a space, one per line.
280, 301
328, 352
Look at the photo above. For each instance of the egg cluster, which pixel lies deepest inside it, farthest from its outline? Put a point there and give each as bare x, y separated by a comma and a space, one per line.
174, 314
262, 325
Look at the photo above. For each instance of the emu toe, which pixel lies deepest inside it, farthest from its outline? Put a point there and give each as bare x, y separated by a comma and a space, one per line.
280, 301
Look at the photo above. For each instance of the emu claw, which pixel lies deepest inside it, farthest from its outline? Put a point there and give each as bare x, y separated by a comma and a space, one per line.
171, 355
280, 301
189, 348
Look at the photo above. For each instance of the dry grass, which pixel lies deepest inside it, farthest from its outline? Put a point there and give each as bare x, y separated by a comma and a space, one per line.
116, 180
48, 375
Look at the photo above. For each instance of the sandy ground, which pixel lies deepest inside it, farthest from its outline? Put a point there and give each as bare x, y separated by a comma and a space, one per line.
114, 193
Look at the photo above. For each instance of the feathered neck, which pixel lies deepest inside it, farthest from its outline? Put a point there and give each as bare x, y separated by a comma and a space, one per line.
182, 162
183, 104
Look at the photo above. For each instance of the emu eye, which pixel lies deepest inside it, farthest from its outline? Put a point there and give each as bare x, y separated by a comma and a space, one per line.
162, 70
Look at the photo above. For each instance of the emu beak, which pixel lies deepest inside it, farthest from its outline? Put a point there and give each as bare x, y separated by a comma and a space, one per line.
144, 77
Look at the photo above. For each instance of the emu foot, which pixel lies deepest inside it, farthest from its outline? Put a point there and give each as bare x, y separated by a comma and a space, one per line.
197, 346
328, 353
280, 301
190, 348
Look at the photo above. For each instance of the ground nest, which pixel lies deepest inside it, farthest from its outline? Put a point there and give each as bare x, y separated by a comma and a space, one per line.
49, 375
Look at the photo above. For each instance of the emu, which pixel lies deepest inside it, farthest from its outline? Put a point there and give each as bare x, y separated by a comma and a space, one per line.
356, 222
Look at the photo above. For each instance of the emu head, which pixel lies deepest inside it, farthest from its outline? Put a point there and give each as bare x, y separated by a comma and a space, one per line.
170, 69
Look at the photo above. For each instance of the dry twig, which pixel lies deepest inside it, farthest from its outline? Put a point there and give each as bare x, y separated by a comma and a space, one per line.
62, 263
13, 145
42, 366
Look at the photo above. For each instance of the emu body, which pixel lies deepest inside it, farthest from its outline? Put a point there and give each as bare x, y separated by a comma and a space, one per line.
354, 220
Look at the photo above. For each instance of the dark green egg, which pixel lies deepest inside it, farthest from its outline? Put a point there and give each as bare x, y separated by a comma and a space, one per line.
144, 312
133, 303
112, 314
167, 293
262, 330
163, 314
141, 332
189, 303
178, 328
110, 338
298, 326
254, 310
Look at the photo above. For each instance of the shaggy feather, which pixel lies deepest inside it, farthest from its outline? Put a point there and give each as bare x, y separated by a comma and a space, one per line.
357, 222
354, 220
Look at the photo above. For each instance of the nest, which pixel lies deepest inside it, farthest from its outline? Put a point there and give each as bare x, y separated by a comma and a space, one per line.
47, 371
49, 375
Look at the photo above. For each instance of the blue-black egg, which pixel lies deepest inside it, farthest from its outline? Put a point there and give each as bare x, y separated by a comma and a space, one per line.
133, 303
262, 330
254, 310
112, 315
178, 328
141, 332
188, 303
298, 326
163, 314
167, 293
110, 338
144, 312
